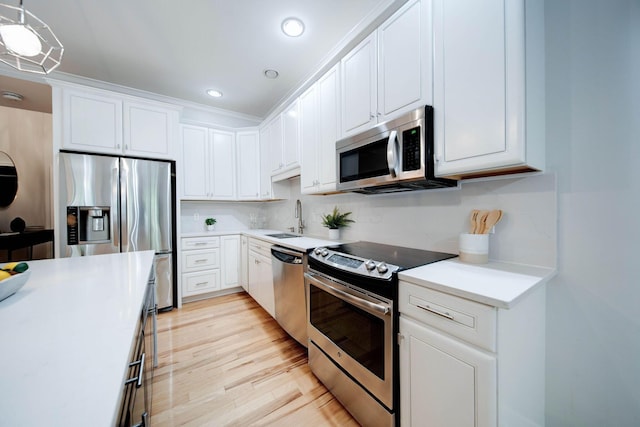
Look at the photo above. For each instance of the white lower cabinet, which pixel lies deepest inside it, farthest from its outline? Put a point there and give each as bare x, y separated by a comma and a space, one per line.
230, 261
261, 275
200, 282
463, 363
446, 382
244, 262
200, 259
209, 264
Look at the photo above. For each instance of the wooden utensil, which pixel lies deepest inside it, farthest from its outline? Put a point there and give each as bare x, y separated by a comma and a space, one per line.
480, 220
491, 220
474, 216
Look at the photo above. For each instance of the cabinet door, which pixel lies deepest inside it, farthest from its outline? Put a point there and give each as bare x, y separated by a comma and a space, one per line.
404, 60
309, 141
149, 130
275, 145
444, 382
265, 164
261, 281
478, 85
248, 165
195, 164
91, 122
328, 119
230, 262
359, 87
244, 262
291, 136
222, 167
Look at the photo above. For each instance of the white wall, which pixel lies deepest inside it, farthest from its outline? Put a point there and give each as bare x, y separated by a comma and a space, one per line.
433, 219
593, 144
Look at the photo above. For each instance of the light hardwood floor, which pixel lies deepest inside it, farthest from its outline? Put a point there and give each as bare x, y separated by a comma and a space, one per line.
226, 362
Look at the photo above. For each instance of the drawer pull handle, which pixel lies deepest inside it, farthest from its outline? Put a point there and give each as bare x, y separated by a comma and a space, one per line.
434, 311
200, 244
201, 260
201, 283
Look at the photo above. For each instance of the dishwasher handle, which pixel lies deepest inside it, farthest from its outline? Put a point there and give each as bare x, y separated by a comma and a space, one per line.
288, 256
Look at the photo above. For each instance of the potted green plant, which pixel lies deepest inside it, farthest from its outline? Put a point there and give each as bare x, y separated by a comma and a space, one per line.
336, 220
210, 223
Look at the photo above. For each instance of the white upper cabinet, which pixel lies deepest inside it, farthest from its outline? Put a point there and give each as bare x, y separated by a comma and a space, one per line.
404, 60
91, 122
274, 141
248, 165
208, 164
149, 130
223, 161
104, 122
488, 87
284, 143
195, 163
319, 128
265, 163
291, 136
389, 72
359, 90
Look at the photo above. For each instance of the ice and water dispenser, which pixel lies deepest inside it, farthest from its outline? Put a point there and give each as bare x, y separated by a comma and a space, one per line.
88, 224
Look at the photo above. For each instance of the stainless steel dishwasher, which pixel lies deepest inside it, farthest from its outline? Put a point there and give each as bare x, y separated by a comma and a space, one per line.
288, 289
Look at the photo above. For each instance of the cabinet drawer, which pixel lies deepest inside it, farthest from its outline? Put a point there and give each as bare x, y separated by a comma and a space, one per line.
468, 320
260, 246
201, 282
200, 260
189, 243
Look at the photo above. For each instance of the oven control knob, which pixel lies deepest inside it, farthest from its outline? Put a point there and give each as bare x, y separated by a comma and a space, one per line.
370, 265
324, 252
318, 251
382, 268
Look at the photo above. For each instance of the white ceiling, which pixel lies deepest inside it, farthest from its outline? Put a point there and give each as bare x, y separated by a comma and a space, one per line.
181, 48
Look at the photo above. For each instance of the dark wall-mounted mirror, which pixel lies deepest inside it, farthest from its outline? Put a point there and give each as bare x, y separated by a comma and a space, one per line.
8, 180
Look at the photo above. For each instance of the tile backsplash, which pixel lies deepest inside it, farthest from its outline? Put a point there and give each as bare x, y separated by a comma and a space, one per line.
429, 220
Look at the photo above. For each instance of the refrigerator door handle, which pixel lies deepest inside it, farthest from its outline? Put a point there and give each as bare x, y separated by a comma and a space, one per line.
115, 203
124, 218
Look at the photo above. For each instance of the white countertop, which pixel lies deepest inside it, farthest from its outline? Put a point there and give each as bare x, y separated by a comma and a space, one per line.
65, 339
497, 284
301, 243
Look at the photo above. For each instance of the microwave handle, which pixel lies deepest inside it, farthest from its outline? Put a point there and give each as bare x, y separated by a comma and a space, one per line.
392, 153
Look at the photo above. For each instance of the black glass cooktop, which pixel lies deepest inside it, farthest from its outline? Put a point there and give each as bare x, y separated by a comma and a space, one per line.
402, 257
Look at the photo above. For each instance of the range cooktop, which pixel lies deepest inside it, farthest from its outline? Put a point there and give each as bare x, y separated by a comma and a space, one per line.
402, 257
370, 266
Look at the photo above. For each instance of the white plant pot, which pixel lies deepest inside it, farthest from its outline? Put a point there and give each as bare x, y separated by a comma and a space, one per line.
211, 227
334, 234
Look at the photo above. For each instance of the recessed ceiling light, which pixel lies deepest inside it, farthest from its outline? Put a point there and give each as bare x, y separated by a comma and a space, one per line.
214, 93
271, 74
293, 27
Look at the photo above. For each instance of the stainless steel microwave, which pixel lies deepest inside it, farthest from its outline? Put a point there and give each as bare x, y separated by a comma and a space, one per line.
394, 156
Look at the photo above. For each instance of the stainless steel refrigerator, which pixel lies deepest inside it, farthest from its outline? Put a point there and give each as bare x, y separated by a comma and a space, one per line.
118, 204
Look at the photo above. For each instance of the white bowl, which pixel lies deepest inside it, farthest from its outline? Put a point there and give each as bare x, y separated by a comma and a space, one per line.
11, 285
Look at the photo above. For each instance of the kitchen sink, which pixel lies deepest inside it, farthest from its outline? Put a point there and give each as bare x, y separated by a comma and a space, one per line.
282, 235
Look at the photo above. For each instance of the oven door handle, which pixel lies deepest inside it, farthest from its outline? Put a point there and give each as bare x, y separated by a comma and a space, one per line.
355, 300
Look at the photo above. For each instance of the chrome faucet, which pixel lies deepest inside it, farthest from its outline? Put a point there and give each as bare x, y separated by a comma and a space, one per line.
299, 216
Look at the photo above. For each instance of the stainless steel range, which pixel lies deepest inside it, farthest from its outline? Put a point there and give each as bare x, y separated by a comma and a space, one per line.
353, 321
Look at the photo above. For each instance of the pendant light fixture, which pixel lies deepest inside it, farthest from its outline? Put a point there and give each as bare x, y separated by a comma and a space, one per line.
27, 43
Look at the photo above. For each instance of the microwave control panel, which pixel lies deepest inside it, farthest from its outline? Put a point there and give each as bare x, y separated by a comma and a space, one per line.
411, 152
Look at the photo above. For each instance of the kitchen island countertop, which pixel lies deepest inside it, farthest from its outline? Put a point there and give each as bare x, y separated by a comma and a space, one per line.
65, 339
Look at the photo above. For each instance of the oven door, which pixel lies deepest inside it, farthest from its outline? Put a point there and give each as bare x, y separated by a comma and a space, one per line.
355, 330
